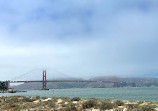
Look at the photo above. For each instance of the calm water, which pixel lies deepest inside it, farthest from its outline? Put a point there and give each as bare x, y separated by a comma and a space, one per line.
148, 94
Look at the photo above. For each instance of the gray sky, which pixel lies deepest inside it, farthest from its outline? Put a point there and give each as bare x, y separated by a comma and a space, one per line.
81, 38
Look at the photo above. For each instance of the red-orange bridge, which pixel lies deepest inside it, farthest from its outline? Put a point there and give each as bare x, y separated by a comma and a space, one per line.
44, 81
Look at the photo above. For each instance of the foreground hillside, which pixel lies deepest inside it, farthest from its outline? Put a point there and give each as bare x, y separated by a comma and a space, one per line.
19, 103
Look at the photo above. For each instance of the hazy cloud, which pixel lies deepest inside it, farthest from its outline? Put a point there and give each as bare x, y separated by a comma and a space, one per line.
80, 38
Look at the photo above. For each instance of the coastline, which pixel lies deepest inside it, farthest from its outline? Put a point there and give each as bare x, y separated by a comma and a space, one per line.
21, 103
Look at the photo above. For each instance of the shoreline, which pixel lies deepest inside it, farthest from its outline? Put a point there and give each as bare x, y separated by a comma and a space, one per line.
22, 103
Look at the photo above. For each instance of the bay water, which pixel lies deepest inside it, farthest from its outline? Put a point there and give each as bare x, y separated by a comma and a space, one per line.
141, 94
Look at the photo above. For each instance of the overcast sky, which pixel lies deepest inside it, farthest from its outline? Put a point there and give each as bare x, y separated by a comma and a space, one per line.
81, 38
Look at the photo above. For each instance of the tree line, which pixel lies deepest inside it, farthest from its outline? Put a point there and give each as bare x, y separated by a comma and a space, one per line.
3, 86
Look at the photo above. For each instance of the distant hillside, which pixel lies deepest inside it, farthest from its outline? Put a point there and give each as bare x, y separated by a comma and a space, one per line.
122, 82
141, 82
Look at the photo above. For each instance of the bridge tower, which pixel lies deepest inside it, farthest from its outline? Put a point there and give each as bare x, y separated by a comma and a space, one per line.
44, 80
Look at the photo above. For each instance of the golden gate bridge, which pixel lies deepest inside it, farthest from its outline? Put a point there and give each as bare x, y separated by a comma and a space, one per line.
44, 81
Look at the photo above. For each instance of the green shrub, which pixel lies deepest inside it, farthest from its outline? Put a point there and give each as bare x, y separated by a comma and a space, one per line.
89, 104
146, 108
118, 109
27, 105
132, 106
106, 105
37, 97
50, 104
26, 99
12, 99
118, 102
65, 98
107, 100
140, 102
14, 107
44, 97
70, 107
54, 99
39, 105
75, 99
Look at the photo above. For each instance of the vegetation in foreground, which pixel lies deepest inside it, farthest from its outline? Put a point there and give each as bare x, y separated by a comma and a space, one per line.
20, 103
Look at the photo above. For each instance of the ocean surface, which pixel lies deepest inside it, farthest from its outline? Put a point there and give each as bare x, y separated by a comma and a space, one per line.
143, 94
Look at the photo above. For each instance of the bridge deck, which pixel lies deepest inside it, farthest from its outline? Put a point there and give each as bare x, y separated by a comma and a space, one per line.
61, 81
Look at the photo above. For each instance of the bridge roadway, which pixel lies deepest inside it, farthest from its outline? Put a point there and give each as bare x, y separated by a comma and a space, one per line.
45, 81
61, 81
